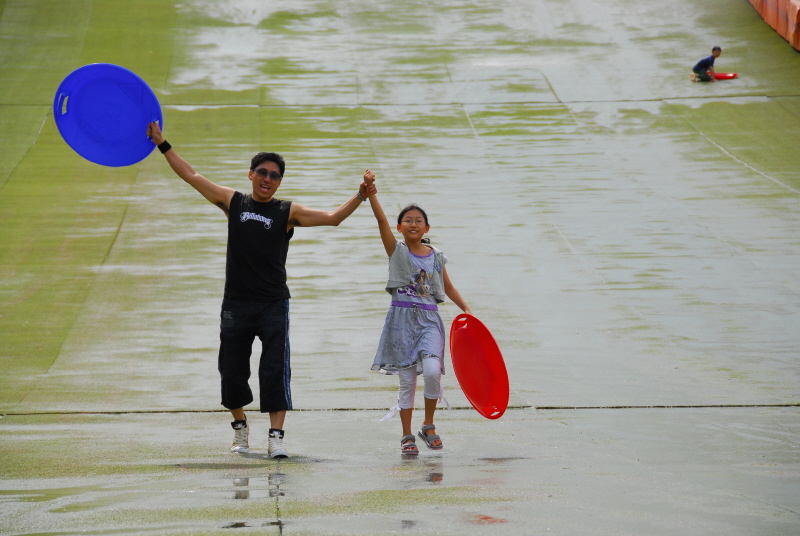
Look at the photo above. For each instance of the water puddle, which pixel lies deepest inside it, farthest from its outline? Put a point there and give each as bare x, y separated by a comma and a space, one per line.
43, 495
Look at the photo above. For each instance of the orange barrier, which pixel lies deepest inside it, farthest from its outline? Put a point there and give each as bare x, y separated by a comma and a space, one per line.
783, 16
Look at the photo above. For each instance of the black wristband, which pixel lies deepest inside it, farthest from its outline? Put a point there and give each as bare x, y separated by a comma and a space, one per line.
164, 146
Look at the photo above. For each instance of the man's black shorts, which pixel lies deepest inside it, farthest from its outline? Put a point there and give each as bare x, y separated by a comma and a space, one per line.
240, 323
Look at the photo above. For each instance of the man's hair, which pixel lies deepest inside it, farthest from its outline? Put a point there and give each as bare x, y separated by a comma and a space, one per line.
260, 158
715, 49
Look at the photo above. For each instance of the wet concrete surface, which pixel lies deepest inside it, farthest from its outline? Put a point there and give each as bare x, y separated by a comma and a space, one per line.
629, 237
690, 471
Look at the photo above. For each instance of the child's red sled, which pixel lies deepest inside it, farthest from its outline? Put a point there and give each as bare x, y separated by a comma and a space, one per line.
479, 366
725, 76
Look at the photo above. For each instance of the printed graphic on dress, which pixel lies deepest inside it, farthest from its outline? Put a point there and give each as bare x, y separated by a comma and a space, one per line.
420, 286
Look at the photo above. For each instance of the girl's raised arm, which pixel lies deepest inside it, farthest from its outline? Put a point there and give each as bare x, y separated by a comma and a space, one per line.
387, 236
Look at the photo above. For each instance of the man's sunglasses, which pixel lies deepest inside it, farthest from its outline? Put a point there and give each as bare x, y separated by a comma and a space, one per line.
264, 173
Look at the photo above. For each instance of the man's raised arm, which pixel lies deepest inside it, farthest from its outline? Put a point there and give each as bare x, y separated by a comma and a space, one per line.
216, 194
301, 216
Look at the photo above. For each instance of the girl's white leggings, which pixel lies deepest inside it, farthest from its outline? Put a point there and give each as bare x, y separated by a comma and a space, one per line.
431, 371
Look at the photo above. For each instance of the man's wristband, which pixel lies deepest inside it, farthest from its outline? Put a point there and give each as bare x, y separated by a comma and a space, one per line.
361, 197
164, 146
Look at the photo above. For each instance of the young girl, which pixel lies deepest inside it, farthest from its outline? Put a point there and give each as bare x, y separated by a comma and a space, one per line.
412, 341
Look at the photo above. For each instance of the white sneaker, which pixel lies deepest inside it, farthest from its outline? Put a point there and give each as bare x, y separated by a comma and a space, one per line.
240, 433
276, 444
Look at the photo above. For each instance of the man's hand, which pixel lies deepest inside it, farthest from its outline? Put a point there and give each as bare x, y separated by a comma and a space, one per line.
154, 133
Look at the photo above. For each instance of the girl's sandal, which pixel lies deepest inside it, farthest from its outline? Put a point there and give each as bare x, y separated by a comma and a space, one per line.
429, 439
408, 445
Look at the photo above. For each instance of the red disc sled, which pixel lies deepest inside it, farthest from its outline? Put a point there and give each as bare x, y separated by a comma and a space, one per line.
725, 76
479, 366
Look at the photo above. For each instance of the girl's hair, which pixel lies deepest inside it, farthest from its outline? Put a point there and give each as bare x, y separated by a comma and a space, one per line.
409, 208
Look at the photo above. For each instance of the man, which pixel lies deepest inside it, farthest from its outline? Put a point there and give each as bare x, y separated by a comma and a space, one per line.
704, 69
256, 300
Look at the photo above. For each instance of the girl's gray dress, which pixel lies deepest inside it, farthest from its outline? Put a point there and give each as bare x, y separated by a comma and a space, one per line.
412, 333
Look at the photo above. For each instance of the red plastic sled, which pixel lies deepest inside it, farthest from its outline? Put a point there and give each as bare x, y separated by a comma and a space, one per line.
479, 366
725, 76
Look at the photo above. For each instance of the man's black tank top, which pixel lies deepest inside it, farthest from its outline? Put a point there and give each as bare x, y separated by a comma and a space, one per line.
257, 246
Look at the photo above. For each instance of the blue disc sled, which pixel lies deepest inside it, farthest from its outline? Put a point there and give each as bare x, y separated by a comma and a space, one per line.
102, 112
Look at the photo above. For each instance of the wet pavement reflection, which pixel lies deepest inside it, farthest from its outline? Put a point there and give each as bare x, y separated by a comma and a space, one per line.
275, 481
431, 470
241, 494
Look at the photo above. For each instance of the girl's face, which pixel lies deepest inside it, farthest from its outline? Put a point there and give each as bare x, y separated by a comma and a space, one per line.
413, 226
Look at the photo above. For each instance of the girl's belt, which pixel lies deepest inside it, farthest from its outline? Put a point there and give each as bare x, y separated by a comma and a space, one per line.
426, 306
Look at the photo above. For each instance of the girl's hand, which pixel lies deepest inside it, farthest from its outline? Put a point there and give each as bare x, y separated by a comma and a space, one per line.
368, 187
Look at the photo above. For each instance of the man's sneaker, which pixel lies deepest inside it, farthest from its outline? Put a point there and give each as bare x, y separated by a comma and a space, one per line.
240, 432
276, 444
